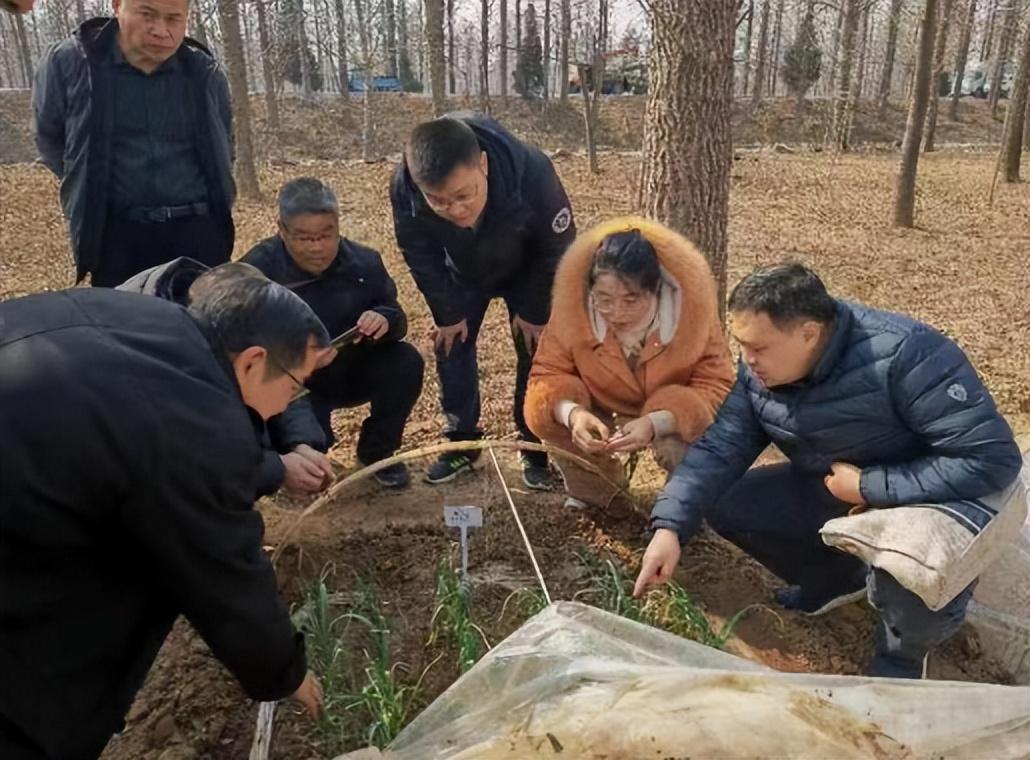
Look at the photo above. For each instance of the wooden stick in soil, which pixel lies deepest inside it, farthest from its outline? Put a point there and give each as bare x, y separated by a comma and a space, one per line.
341, 483
522, 530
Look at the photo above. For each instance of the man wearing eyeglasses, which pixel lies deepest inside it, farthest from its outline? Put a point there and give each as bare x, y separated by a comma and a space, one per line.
348, 287
127, 468
480, 215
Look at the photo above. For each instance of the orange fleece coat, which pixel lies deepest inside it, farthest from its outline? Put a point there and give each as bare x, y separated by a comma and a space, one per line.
688, 376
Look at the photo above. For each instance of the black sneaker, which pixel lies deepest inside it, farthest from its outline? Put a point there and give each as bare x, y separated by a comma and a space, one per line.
797, 598
536, 474
448, 467
885, 665
395, 476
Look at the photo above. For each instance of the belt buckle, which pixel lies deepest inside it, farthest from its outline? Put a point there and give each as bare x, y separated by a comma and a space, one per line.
166, 213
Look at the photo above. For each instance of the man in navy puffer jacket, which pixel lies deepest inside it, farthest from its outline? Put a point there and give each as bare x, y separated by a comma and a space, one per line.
870, 408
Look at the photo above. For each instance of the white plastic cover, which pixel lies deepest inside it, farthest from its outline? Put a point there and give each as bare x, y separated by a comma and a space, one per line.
578, 682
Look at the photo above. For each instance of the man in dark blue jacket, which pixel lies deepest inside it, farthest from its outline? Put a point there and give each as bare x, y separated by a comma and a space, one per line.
134, 119
479, 215
870, 408
347, 286
127, 468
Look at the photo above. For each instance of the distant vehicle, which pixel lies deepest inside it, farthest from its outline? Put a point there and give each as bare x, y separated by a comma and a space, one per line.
977, 80
1007, 77
356, 83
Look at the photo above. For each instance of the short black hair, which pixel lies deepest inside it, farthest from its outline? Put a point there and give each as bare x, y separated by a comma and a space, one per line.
788, 293
306, 195
630, 257
436, 148
243, 308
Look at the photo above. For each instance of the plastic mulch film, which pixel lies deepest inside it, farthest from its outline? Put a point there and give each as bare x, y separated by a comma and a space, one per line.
1000, 610
578, 682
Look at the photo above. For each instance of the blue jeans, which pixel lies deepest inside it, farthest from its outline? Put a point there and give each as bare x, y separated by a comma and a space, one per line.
774, 514
459, 376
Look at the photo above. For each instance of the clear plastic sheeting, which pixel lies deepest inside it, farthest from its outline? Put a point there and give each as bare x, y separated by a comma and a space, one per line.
578, 682
1000, 610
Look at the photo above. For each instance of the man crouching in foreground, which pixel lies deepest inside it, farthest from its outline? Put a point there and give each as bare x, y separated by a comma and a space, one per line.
128, 461
870, 408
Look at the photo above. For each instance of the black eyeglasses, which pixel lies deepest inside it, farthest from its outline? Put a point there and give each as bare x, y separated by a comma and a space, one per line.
299, 388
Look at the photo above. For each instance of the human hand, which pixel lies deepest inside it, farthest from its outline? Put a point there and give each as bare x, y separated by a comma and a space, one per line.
305, 473
444, 337
844, 482
309, 694
530, 333
372, 324
634, 435
659, 562
588, 432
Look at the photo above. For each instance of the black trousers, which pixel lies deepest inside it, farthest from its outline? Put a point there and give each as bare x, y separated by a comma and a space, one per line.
388, 376
16, 745
130, 247
774, 514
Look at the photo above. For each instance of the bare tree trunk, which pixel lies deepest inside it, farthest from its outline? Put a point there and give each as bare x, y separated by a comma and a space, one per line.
591, 84
547, 50
451, 60
961, 59
835, 46
863, 49
1004, 48
1012, 145
844, 97
763, 44
198, 31
435, 39
887, 73
747, 45
390, 38
268, 55
236, 73
248, 47
905, 192
985, 41
1026, 125
484, 63
341, 47
24, 51
80, 11
302, 52
563, 55
688, 150
504, 50
363, 15
778, 37
938, 70
518, 31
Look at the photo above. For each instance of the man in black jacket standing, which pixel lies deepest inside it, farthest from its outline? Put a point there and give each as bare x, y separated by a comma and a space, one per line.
127, 468
479, 215
134, 119
347, 286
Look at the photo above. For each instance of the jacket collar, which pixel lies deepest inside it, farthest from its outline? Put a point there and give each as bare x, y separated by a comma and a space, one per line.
834, 349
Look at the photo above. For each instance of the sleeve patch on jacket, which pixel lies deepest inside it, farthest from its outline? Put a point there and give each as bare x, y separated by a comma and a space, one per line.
562, 220
958, 392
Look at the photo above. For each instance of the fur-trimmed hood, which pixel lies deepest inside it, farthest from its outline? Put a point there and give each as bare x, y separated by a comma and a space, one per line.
680, 260
687, 372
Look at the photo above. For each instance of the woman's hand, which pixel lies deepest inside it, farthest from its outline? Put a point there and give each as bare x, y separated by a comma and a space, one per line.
588, 432
634, 436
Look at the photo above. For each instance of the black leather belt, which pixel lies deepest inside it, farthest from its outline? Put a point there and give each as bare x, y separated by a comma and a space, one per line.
165, 213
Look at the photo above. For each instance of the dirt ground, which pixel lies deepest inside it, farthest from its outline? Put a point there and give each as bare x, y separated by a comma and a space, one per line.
966, 269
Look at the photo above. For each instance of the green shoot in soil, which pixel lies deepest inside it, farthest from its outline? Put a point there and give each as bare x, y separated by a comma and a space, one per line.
608, 587
383, 698
526, 602
452, 618
670, 607
324, 634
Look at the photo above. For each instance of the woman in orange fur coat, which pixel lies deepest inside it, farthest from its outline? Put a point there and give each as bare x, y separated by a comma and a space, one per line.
634, 355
